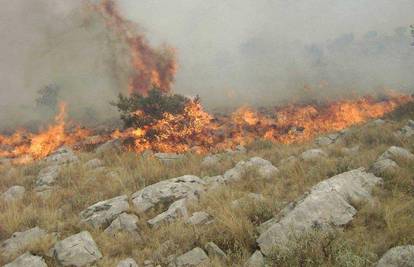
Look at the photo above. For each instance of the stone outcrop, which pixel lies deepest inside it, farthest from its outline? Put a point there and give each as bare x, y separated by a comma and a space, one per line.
27, 260
384, 166
63, 155
264, 169
214, 251
256, 260
177, 210
200, 218
402, 256
20, 240
124, 222
14, 193
327, 204
193, 258
397, 153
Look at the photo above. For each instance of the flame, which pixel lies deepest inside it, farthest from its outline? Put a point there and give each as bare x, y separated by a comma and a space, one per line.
150, 67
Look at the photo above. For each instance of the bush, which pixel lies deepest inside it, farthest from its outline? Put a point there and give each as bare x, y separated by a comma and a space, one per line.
138, 110
48, 96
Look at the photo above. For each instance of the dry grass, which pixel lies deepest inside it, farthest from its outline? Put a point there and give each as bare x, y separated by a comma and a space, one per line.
379, 225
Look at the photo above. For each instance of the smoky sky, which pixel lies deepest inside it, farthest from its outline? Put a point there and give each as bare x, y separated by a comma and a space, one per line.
230, 52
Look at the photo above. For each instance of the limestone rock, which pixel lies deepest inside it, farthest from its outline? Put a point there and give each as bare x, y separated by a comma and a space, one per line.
313, 154
48, 175
396, 153
215, 252
214, 182
193, 258
200, 217
112, 146
402, 256
408, 130
124, 222
327, 204
14, 193
177, 210
168, 191
264, 168
77, 250
62, 156
27, 260
20, 240
104, 212
127, 263
384, 166
256, 260
94, 164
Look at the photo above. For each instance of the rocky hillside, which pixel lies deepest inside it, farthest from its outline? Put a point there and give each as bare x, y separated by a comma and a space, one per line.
345, 199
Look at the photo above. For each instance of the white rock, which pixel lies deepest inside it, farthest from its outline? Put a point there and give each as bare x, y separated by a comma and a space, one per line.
193, 258
200, 217
14, 193
264, 168
127, 263
94, 164
62, 156
214, 251
124, 222
104, 212
396, 153
214, 182
177, 210
402, 256
313, 154
112, 146
27, 260
168, 191
48, 175
384, 166
327, 204
77, 250
256, 260
20, 240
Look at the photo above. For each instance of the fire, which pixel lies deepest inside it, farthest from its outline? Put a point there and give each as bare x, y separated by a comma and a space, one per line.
150, 67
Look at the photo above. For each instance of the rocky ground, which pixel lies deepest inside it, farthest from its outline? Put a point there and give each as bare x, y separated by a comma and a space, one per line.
344, 199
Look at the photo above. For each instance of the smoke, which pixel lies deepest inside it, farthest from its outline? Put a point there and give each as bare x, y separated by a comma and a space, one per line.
230, 52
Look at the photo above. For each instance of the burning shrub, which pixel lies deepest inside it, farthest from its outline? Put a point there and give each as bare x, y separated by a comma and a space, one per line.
138, 111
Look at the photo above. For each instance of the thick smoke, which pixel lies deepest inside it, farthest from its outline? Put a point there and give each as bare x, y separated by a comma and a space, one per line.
230, 52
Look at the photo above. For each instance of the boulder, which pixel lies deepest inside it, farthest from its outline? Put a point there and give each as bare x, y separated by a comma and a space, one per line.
104, 212
396, 153
63, 155
199, 218
408, 130
399, 256
14, 193
195, 257
177, 210
20, 240
168, 191
168, 158
384, 166
94, 164
48, 175
214, 182
214, 251
77, 250
377, 122
27, 260
127, 263
327, 204
256, 260
124, 222
264, 168
112, 146
313, 154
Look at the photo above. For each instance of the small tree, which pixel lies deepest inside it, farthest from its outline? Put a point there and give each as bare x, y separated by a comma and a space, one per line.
48, 96
138, 110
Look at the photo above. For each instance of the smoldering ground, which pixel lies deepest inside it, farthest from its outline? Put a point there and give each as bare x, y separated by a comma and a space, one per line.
230, 52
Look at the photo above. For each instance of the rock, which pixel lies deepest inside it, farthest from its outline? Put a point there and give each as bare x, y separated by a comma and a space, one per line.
287, 161
195, 257
214, 182
148, 263
48, 175
313, 154
326, 205
323, 141
396, 153
406, 131
200, 217
177, 210
384, 166
249, 198
266, 225
215, 252
127, 263
256, 260
94, 164
124, 222
45, 191
264, 168
20, 240
238, 150
168, 158
112, 146
377, 122
27, 260
210, 161
399, 256
104, 212
77, 250
63, 155
14, 193
168, 191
